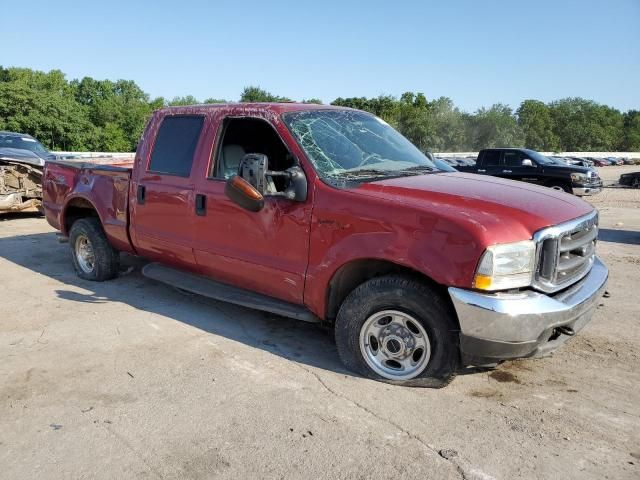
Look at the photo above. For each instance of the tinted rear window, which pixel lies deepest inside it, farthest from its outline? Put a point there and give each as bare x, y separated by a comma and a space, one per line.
491, 157
175, 145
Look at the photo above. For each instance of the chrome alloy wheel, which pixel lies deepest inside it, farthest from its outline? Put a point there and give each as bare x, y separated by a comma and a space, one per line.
84, 254
395, 345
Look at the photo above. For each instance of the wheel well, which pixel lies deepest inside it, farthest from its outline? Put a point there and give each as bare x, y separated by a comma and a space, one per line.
558, 181
76, 209
355, 273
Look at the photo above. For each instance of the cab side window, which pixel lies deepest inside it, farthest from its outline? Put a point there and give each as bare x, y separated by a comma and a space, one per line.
175, 145
513, 159
241, 136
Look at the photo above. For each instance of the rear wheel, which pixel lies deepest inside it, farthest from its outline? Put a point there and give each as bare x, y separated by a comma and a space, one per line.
398, 330
92, 255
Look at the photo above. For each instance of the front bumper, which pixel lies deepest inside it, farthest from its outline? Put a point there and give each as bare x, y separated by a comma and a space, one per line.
584, 189
503, 326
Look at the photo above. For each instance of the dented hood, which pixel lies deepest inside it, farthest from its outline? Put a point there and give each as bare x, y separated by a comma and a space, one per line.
20, 155
499, 210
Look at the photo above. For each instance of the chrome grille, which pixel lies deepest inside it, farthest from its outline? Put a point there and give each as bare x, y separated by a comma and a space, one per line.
566, 252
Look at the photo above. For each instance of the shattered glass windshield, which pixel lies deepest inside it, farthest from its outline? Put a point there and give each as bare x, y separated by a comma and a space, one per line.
347, 144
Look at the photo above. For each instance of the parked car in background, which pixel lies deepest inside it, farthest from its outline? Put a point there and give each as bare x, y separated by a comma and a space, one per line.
328, 214
562, 160
22, 158
583, 162
630, 179
599, 162
532, 167
443, 165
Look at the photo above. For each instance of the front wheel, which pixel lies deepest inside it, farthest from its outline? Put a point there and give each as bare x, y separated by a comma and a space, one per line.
398, 330
562, 187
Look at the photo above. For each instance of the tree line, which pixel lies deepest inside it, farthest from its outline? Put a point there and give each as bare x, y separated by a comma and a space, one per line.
105, 115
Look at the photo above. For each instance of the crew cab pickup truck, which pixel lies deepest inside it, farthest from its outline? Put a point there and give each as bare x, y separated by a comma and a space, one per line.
328, 214
532, 167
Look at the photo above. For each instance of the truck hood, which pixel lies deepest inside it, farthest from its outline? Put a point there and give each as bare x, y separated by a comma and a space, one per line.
498, 210
568, 169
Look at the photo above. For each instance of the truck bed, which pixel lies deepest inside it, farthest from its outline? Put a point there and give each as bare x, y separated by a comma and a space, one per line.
69, 186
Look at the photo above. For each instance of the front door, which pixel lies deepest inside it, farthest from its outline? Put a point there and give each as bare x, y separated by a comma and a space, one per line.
514, 169
265, 251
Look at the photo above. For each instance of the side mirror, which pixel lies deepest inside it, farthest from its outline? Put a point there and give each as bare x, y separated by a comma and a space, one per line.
244, 194
527, 163
254, 169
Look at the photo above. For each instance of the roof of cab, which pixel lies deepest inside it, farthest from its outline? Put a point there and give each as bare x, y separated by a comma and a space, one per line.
238, 108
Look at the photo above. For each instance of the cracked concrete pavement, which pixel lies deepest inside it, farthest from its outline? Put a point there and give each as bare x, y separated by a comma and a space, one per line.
134, 379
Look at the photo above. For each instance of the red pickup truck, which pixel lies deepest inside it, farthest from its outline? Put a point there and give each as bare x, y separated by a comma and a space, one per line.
330, 215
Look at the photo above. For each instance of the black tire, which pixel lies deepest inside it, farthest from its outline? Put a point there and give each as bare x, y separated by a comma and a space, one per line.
106, 263
404, 294
560, 186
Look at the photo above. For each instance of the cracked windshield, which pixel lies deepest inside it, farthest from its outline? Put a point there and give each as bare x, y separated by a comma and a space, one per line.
350, 145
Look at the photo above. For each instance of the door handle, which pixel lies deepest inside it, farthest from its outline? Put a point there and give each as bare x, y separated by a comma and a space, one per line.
201, 204
481, 170
507, 171
141, 194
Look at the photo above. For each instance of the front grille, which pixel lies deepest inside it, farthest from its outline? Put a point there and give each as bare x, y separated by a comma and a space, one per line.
565, 252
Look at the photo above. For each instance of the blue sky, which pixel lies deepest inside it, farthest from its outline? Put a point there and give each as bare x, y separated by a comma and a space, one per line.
476, 52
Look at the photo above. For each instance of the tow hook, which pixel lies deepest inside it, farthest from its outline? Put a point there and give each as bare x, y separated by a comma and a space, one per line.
566, 330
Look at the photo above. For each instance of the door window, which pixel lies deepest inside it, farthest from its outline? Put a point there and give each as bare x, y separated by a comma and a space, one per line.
175, 145
513, 159
250, 135
491, 158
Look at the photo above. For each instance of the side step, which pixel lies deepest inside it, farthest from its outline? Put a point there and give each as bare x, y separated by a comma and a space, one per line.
226, 293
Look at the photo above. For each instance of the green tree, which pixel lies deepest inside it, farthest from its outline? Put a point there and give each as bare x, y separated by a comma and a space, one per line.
584, 125
536, 122
631, 142
179, 101
495, 127
254, 94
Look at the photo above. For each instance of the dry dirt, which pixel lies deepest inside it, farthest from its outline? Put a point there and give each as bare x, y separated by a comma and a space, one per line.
133, 379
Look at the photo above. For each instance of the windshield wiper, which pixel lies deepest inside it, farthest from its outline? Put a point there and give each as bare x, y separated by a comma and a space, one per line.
420, 169
363, 172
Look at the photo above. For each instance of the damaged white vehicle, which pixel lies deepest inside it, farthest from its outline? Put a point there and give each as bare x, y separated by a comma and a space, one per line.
22, 159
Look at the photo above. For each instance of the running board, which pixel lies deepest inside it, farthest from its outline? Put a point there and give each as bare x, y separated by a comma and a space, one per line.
226, 293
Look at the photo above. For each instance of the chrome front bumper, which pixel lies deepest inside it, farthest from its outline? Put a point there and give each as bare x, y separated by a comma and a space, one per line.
501, 326
584, 191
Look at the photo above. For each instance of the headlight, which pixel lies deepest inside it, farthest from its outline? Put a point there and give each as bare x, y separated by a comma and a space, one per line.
504, 266
579, 177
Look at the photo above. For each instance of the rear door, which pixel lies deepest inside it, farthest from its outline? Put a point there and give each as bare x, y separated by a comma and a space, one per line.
490, 162
162, 214
513, 169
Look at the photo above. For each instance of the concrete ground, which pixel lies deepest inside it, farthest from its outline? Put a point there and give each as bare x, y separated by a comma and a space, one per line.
133, 379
